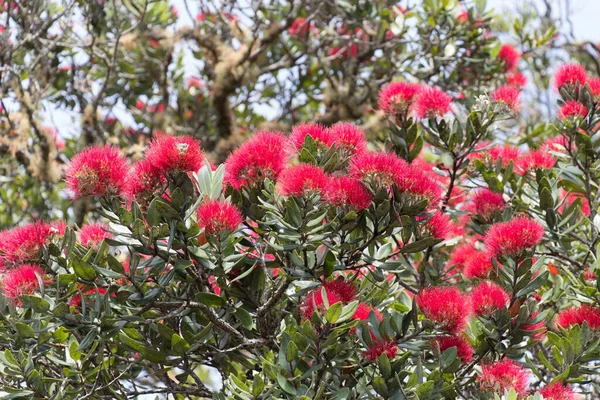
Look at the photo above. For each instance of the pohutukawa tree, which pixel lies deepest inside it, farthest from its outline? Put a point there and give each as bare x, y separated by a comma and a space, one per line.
437, 257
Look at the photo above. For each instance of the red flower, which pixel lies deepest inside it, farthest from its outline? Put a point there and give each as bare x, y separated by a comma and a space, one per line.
464, 350
92, 235
347, 191
397, 97
570, 197
439, 225
218, 216
513, 237
175, 153
509, 95
300, 27
431, 103
301, 179
570, 74
145, 180
510, 56
486, 202
379, 169
314, 301
491, 155
537, 330
349, 137
516, 79
21, 281
379, 347
504, 375
460, 256
321, 136
23, 244
578, 315
363, 311
262, 157
557, 391
594, 84
418, 183
97, 171
537, 159
557, 144
478, 265
346, 291
76, 300
488, 298
572, 109
446, 306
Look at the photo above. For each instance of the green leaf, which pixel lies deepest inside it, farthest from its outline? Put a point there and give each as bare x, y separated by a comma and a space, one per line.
285, 385
258, 385
83, 269
244, 317
146, 352
210, 299
24, 330
179, 344
291, 352
37, 303
333, 312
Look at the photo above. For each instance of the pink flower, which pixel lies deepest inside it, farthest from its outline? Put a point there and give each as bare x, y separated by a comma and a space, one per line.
571, 197
379, 347
92, 235
570, 74
478, 265
439, 225
21, 281
320, 135
537, 159
23, 244
572, 109
301, 179
491, 155
218, 216
363, 311
486, 202
262, 157
397, 97
578, 315
537, 330
431, 103
514, 237
504, 375
194, 82
97, 171
145, 180
342, 191
516, 79
378, 169
594, 84
509, 95
460, 256
488, 298
510, 56
348, 137
557, 391
419, 184
464, 350
175, 153
446, 306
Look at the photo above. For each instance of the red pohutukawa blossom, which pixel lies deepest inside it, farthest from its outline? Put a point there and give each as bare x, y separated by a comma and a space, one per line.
537, 330
516, 79
510, 56
508, 95
320, 135
504, 375
417, 183
76, 300
569, 198
578, 315
536, 159
478, 265
144, 181
345, 290
464, 350
97, 171
378, 169
314, 301
460, 256
486, 202
379, 347
397, 97
300, 27
92, 235
487, 298
262, 157
572, 109
431, 103
170, 153
22, 244
557, 144
364, 310
439, 225
218, 216
594, 84
345, 191
21, 281
301, 179
570, 74
349, 137
514, 237
557, 391
491, 155
446, 306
